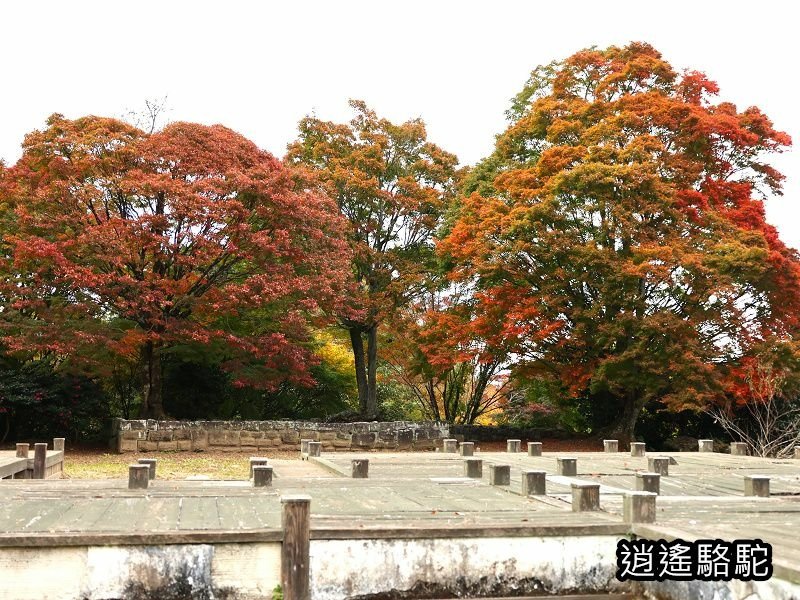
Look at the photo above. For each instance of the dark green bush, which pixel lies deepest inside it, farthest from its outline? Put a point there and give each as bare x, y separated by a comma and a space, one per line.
38, 401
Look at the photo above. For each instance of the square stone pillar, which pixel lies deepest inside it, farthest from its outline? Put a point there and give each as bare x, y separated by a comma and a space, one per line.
499, 475
567, 466
585, 497
639, 507
534, 448
534, 483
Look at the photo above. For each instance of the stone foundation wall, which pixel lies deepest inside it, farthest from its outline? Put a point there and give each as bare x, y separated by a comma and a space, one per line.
147, 435
501, 433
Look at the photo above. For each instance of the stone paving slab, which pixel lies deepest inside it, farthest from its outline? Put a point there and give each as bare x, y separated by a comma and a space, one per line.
416, 495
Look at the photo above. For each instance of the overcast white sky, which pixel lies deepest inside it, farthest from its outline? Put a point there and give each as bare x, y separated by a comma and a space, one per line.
259, 67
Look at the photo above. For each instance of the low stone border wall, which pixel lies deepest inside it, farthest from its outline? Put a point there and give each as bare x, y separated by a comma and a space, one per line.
501, 433
147, 435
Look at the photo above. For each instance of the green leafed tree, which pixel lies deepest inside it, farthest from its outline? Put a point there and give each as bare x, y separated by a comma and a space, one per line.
392, 186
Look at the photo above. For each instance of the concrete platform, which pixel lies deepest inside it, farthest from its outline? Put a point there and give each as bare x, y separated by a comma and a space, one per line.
414, 509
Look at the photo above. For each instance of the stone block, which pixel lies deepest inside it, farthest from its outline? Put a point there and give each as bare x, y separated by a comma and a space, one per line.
567, 467
160, 435
363, 440
388, 437
290, 437
424, 445
585, 497
658, 464
250, 438
648, 482
200, 442
257, 461
147, 446
405, 438
637, 448
171, 446
124, 445
262, 476
184, 445
385, 445
473, 468
534, 483
221, 437
420, 434
639, 507
182, 434
359, 468
152, 463
705, 445
499, 474
756, 485
738, 448
138, 477
170, 425
310, 434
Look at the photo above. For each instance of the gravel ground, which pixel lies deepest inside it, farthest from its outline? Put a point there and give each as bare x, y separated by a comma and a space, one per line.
100, 463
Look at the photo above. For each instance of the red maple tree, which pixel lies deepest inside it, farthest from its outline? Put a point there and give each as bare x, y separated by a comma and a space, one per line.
139, 241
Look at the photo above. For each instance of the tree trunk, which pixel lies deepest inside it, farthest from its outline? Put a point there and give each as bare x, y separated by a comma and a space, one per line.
372, 372
432, 402
361, 372
625, 426
481, 382
152, 405
7, 428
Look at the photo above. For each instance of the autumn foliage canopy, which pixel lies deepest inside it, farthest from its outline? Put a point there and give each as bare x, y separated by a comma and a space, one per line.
392, 186
134, 242
617, 234
613, 249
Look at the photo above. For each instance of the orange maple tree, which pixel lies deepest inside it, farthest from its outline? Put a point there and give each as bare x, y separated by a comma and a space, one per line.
140, 241
618, 233
392, 186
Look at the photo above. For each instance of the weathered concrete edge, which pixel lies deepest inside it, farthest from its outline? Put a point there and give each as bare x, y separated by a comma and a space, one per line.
39, 540
53, 458
459, 532
780, 569
15, 466
328, 466
82, 538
